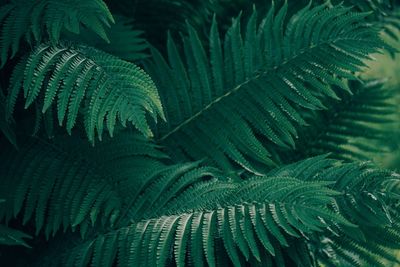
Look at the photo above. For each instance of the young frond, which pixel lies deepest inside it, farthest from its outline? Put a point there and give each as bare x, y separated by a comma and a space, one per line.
236, 103
45, 19
82, 81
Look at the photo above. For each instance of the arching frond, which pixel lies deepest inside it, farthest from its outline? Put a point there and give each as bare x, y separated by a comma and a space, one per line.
243, 221
353, 128
242, 105
75, 78
37, 20
185, 213
57, 186
293, 211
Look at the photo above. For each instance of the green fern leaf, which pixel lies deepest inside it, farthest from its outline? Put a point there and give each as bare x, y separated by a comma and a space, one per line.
354, 128
85, 78
57, 187
12, 237
124, 41
254, 84
176, 230
48, 19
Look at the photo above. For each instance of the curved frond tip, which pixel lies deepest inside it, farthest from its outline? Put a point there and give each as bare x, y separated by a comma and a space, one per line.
77, 78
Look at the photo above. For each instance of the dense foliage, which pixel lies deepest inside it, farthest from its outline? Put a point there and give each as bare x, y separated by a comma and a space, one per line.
197, 133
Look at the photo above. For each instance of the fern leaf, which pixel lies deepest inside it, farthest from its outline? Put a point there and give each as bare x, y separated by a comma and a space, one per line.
12, 237
53, 16
254, 81
85, 78
179, 231
124, 42
365, 201
354, 128
57, 187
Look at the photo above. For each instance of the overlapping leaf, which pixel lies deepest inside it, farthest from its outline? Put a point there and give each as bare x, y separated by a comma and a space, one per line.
38, 20
71, 185
352, 128
240, 102
243, 221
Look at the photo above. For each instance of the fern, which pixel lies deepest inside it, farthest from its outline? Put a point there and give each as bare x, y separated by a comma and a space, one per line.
258, 79
224, 178
386, 13
58, 187
259, 220
353, 127
124, 41
105, 87
33, 20
12, 237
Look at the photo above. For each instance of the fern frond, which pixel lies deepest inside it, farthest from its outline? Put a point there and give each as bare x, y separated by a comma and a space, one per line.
12, 237
58, 187
125, 41
351, 128
38, 20
369, 200
256, 83
386, 14
185, 213
53, 188
79, 78
247, 221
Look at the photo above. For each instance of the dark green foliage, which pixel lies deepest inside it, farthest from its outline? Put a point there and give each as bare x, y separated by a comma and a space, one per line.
260, 219
38, 20
105, 87
157, 17
5, 127
12, 237
352, 127
260, 79
125, 42
227, 153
